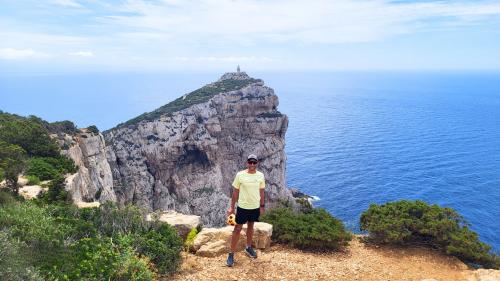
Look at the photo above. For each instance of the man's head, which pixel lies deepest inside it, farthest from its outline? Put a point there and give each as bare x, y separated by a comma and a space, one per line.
252, 162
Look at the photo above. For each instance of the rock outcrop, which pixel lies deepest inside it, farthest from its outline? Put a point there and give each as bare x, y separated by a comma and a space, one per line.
183, 223
93, 181
211, 242
184, 155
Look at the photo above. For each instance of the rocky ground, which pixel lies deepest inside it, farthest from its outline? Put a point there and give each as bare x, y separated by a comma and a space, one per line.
358, 262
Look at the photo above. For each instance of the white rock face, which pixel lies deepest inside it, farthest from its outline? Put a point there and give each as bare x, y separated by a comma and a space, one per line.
87, 204
484, 275
93, 180
31, 191
187, 160
212, 242
183, 223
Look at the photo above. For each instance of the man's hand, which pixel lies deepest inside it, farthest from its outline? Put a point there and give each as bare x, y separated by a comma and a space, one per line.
230, 211
262, 210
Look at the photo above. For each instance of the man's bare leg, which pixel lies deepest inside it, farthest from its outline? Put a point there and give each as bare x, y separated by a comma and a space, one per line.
235, 237
249, 233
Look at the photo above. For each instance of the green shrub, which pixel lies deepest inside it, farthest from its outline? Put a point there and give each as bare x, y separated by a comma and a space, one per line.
188, 244
62, 163
113, 221
14, 263
29, 133
162, 245
6, 198
416, 222
66, 127
57, 192
102, 259
40, 168
33, 180
47, 168
12, 163
314, 230
93, 129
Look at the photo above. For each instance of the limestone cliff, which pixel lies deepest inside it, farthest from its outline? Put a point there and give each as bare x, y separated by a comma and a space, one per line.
184, 155
93, 181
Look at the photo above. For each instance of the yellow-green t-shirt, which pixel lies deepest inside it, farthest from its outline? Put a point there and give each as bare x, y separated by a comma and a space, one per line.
249, 186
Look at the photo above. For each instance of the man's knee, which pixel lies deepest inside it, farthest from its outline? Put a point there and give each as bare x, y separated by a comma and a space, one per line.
237, 228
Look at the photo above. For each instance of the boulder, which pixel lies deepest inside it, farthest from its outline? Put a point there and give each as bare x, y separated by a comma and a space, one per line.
22, 181
211, 242
82, 204
183, 223
30, 191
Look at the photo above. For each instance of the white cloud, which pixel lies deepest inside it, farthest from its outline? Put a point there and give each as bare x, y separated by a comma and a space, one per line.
320, 21
82, 54
67, 3
15, 54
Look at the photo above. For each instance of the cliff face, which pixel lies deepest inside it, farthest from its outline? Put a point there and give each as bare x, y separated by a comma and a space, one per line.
93, 181
186, 160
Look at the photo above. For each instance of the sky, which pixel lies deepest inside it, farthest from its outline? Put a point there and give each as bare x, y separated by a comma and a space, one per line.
275, 35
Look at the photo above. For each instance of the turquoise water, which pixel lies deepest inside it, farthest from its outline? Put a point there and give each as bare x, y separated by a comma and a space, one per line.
353, 138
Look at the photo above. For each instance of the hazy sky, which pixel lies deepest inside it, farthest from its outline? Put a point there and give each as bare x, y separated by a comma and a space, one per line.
212, 35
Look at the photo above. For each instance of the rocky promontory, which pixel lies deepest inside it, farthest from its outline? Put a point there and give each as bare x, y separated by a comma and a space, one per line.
184, 155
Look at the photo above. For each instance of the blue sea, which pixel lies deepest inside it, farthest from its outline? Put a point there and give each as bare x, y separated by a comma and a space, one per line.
354, 138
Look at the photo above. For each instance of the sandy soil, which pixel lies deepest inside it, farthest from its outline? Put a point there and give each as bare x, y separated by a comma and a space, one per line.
358, 262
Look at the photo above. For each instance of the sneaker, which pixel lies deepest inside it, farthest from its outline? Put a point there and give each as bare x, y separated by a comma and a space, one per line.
230, 260
250, 252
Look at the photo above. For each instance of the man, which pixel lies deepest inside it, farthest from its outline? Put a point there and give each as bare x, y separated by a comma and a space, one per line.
248, 191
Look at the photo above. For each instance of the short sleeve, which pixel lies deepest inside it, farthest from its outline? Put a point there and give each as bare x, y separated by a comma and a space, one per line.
236, 182
262, 183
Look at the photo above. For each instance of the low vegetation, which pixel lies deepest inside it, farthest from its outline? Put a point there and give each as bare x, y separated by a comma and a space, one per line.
106, 243
416, 222
315, 229
26, 147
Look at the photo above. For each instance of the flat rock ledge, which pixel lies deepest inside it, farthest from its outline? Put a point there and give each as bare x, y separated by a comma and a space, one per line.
82, 204
211, 242
31, 191
183, 223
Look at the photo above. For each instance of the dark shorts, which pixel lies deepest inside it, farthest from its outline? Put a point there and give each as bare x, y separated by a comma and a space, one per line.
245, 215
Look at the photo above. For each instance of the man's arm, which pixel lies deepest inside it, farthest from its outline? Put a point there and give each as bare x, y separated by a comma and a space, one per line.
262, 199
234, 199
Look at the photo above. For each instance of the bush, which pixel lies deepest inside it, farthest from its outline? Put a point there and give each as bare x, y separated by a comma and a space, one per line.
415, 222
102, 259
29, 133
41, 169
57, 191
65, 127
113, 221
47, 168
14, 264
93, 129
188, 244
33, 180
162, 245
315, 230
6, 198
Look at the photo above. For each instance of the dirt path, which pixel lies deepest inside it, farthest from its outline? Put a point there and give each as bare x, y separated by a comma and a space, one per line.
360, 262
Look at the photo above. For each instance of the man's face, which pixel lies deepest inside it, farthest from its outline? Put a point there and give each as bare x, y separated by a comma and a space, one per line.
252, 164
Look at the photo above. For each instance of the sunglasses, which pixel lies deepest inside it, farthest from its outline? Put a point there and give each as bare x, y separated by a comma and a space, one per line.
252, 162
